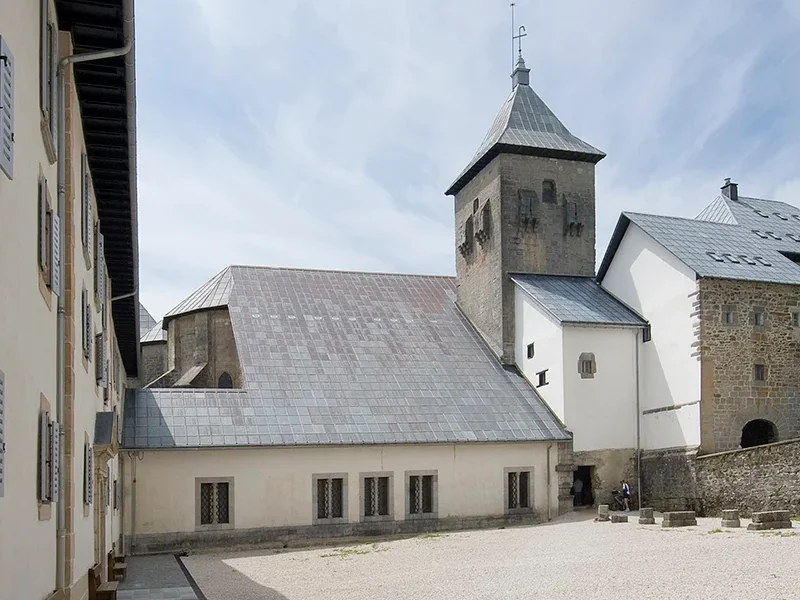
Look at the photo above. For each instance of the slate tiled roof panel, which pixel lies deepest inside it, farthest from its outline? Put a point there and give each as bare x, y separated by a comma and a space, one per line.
718, 212
525, 122
347, 358
146, 320
212, 294
577, 300
156, 334
720, 250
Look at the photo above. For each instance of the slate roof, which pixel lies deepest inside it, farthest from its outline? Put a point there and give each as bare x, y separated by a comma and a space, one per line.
214, 293
526, 125
156, 334
346, 358
146, 321
745, 239
577, 300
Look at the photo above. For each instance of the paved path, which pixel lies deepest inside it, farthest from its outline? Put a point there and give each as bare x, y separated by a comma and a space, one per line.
157, 577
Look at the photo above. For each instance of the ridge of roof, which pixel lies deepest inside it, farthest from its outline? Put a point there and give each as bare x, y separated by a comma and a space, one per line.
214, 293
343, 271
156, 334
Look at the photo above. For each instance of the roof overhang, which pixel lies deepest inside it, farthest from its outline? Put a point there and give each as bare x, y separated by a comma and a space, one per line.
106, 94
498, 149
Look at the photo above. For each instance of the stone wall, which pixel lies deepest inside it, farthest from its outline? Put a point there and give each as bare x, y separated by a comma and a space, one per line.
204, 337
751, 480
669, 479
731, 397
154, 361
523, 235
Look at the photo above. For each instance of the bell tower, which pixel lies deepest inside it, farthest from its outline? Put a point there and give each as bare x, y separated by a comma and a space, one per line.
525, 203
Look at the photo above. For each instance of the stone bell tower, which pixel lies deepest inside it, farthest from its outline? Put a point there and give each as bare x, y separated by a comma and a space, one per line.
524, 204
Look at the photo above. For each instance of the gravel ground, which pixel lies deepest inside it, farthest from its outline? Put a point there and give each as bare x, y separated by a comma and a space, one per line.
572, 557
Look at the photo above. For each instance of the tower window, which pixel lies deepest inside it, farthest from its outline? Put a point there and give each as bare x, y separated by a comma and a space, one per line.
225, 381
549, 191
795, 319
475, 205
760, 372
759, 317
530, 350
728, 315
542, 378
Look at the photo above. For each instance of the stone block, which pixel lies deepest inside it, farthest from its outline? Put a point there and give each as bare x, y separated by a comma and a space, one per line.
731, 523
680, 518
769, 525
646, 513
602, 513
730, 514
619, 518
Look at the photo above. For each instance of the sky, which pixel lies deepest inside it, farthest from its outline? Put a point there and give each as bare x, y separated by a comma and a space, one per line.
323, 133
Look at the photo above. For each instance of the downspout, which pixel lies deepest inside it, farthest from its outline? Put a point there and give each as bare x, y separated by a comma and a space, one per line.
548, 481
60, 336
638, 426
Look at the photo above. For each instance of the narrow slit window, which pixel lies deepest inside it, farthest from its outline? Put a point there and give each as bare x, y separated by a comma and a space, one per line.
531, 350
549, 191
760, 372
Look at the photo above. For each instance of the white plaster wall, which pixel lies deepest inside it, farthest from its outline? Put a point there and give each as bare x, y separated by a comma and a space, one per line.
533, 325
656, 284
601, 411
273, 486
27, 325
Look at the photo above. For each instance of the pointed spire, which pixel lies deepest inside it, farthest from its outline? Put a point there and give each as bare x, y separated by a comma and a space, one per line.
521, 74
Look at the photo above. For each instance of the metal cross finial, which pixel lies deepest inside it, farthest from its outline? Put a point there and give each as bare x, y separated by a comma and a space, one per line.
519, 37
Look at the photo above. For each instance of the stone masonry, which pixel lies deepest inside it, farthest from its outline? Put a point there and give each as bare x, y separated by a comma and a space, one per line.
523, 234
731, 396
154, 361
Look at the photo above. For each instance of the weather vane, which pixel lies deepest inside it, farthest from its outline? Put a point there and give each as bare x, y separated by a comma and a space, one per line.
516, 34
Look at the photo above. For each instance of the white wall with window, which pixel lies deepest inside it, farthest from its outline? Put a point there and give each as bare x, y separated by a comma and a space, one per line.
277, 487
657, 285
538, 350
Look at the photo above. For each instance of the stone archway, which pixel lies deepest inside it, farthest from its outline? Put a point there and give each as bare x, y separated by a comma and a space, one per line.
758, 432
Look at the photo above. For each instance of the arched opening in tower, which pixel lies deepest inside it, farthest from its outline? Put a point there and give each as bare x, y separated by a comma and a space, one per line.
758, 432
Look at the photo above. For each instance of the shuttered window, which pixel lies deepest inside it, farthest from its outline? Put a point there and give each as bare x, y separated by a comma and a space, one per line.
101, 360
87, 220
48, 458
55, 253
2, 433
6, 109
43, 218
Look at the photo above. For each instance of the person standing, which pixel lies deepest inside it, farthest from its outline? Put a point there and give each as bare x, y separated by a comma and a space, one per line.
577, 487
626, 495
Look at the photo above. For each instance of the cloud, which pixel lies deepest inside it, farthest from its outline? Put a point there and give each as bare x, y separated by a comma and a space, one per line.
323, 134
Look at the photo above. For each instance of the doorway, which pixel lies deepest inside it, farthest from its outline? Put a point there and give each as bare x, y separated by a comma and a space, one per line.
583, 490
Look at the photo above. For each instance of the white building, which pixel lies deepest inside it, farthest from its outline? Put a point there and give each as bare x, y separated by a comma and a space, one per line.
67, 251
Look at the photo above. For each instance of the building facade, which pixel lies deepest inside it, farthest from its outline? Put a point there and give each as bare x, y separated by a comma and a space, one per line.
66, 343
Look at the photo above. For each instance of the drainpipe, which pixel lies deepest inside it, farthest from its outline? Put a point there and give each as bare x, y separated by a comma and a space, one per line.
638, 427
60, 335
548, 481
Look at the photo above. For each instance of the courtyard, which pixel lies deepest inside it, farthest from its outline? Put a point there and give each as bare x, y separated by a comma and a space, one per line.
570, 557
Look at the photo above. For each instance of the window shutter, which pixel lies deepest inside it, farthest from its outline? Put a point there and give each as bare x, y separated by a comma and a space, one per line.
43, 250
44, 67
89, 331
55, 431
44, 472
53, 80
89, 225
2, 433
83, 321
84, 199
116, 494
6, 110
98, 357
55, 250
99, 274
88, 474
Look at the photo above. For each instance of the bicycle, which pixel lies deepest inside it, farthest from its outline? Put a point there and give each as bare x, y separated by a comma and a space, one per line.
617, 503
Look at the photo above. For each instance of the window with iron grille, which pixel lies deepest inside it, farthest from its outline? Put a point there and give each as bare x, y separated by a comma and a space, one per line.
518, 489
330, 497
376, 491
214, 503
587, 366
421, 494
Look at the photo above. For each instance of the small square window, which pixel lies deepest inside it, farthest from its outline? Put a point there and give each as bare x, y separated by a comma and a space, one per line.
728, 316
421, 494
542, 378
587, 366
518, 489
647, 334
530, 350
759, 318
796, 319
760, 372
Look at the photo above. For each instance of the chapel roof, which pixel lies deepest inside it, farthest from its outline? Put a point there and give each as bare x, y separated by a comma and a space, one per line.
146, 320
577, 300
156, 334
525, 125
747, 239
332, 357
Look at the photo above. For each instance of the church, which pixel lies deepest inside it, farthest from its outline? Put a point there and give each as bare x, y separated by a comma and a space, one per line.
284, 404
